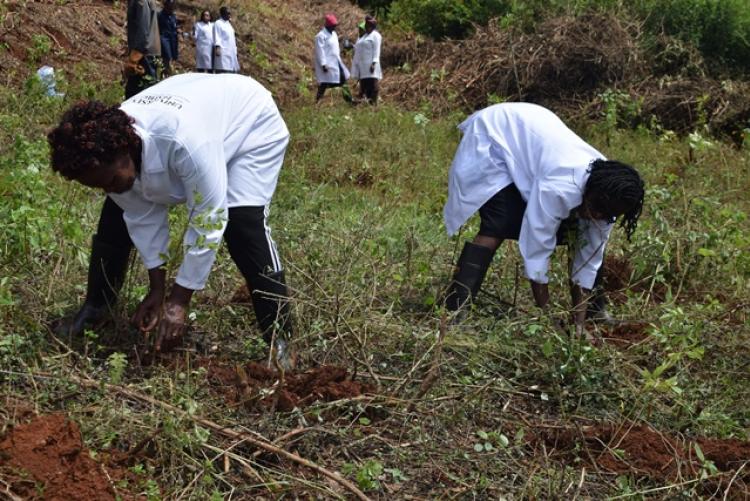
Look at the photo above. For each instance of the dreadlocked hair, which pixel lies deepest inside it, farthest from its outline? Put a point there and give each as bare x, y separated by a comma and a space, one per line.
90, 135
615, 189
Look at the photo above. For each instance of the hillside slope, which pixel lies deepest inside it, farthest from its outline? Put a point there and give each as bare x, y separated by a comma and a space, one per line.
274, 38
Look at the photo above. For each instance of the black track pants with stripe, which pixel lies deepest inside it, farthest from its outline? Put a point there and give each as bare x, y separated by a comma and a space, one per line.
248, 238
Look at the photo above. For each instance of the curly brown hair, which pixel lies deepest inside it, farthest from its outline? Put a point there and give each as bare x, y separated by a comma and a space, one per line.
91, 135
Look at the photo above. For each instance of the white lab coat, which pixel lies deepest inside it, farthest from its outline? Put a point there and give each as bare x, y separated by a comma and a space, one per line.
224, 38
211, 142
367, 52
529, 146
203, 34
328, 54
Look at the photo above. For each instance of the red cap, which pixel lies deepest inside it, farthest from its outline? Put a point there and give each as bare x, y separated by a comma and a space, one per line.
331, 21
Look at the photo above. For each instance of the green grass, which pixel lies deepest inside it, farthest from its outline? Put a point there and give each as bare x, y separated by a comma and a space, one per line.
358, 220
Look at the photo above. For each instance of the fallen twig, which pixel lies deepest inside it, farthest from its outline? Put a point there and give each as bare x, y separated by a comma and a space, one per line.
222, 430
433, 374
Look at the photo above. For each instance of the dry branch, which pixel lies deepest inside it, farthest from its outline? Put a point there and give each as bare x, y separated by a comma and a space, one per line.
222, 430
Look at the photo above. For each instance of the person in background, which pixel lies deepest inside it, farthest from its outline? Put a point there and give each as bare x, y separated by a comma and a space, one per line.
532, 179
144, 46
225, 44
366, 61
169, 36
329, 69
203, 34
213, 143
348, 45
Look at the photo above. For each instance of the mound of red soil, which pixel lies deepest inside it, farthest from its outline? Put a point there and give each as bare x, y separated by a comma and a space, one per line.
644, 451
254, 385
45, 459
625, 335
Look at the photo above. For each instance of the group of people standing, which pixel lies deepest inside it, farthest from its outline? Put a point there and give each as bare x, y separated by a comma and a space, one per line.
153, 42
215, 43
330, 70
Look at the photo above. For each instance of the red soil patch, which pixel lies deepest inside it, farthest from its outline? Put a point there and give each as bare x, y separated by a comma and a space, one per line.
626, 335
643, 451
254, 385
616, 281
616, 277
45, 459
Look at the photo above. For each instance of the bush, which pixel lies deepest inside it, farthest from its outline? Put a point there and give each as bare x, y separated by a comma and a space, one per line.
445, 18
719, 28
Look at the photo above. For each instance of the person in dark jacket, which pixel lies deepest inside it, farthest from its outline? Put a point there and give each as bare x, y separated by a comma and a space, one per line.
144, 46
169, 38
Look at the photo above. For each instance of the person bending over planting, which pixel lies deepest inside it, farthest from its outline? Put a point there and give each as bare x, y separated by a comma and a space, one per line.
214, 143
534, 180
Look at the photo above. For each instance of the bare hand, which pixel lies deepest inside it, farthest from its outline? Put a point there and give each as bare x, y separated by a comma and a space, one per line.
372, 68
172, 325
325, 68
217, 50
148, 313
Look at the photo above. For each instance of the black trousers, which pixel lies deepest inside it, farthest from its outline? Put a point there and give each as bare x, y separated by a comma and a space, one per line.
369, 88
342, 83
249, 241
502, 216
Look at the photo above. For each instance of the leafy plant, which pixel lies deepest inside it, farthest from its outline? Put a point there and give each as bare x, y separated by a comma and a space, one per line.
40, 46
367, 475
117, 363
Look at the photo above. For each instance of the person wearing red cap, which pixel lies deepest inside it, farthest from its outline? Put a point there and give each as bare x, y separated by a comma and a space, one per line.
329, 69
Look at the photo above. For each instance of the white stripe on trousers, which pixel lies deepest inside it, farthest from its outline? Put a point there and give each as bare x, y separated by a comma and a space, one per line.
271, 244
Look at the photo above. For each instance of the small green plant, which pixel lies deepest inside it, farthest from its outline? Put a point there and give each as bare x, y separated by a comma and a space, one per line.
367, 475
41, 45
708, 467
698, 143
489, 442
117, 363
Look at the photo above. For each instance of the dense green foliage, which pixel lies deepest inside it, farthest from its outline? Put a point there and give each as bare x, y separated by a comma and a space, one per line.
719, 28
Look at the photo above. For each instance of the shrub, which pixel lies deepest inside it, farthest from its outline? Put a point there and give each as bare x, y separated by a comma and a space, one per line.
445, 18
719, 28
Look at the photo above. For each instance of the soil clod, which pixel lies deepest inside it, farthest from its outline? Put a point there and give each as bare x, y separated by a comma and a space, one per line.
46, 459
255, 385
626, 334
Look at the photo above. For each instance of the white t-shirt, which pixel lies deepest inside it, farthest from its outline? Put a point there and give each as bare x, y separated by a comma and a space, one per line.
211, 142
529, 146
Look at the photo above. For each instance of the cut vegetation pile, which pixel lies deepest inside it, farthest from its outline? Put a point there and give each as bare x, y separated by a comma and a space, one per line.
566, 64
564, 59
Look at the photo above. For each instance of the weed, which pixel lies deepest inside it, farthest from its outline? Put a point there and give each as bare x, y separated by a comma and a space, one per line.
40, 46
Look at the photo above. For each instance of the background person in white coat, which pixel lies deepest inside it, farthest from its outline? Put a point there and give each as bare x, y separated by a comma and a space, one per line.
225, 44
366, 61
203, 34
329, 69
213, 143
532, 179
